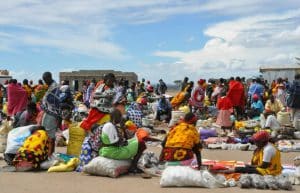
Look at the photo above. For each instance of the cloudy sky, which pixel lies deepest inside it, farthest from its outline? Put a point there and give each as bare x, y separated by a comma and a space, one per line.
166, 39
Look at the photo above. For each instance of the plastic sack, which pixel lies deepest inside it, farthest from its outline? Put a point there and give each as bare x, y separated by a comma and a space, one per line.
149, 164
16, 138
65, 167
101, 166
185, 176
76, 137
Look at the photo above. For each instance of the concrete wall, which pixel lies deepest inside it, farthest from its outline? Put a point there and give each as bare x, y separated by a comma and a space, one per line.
274, 74
83, 75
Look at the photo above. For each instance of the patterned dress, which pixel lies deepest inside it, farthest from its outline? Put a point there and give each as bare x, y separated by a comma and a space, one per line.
90, 147
180, 141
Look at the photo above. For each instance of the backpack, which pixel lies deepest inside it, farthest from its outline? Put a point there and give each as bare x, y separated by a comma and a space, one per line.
293, 99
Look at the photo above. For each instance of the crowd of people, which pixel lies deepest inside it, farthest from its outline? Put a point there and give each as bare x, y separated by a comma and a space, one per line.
114, 110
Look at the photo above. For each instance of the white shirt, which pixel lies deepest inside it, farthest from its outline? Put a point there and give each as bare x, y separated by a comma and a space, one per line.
269, 153
111, 132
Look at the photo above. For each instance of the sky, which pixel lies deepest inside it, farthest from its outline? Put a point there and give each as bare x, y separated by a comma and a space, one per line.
167, 39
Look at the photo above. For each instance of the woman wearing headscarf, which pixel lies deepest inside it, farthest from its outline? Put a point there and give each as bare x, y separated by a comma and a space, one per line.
182, 141
265, 159
99, 114
102, 101
116, 146
257, 107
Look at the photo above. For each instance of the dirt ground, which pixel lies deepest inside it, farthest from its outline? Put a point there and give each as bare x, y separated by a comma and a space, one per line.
72, 182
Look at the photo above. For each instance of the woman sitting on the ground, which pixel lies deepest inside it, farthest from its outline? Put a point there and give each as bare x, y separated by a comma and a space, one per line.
182, 142
265, 159
27, 117
164, 108
135, 112
257, 107
114, 144
34, 150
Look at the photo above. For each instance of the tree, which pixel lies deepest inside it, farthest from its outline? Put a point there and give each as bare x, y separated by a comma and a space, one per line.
298, 60
178, 83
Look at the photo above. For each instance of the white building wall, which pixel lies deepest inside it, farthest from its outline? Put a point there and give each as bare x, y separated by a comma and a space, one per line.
273, 75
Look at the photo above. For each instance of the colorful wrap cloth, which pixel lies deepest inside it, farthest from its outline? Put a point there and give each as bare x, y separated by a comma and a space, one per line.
17, 99
34, 150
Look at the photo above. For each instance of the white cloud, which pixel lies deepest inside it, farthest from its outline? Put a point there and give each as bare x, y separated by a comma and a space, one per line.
87, 27
242, 45
70, 25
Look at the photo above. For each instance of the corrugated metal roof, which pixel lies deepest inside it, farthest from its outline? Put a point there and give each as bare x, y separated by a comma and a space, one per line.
282, 67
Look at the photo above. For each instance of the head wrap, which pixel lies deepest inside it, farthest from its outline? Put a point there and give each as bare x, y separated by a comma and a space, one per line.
261, 136
201, 81
190, 118
255, 97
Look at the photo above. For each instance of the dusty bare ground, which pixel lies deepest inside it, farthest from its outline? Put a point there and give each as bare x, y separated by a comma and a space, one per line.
40, 182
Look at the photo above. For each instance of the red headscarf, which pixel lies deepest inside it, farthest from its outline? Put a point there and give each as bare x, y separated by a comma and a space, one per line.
255, 97
201, 81
261, 136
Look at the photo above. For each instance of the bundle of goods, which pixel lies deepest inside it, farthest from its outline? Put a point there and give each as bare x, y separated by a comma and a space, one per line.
16, 138
4, 130
243, 133
222, 165
292, 172
297, 135
265, 182
215, 140
288, 146
101, 166
286, 132
297, 124
205, 133
67, 166
237, 146
149, 164
204, 123
297, 172
148, 121
284, 118
250, 124
182, 176
176, 117
76, 137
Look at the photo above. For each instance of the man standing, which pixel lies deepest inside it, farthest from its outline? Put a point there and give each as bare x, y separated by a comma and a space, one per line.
50, 105
293, 99
161, 87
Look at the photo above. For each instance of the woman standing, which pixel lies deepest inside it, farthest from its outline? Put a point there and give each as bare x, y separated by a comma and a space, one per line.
225, 108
